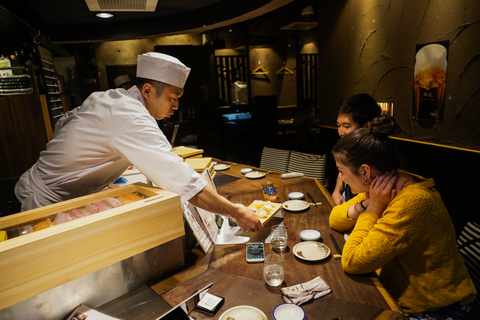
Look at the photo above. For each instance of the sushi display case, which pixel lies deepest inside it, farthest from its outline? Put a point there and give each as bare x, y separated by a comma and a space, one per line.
52, 245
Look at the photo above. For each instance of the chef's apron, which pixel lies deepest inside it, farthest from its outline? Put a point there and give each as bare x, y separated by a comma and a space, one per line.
32, 192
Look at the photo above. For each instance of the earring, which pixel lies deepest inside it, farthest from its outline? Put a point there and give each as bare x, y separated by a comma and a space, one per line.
366, 181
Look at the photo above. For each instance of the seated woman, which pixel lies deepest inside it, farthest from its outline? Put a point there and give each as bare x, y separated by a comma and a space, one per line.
400, 228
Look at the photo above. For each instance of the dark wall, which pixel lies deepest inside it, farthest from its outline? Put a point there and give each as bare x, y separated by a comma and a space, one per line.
456, 173
370, 47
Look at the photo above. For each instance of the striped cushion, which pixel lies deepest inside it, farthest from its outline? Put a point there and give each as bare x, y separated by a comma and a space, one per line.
274, 159
469, 246
311, 165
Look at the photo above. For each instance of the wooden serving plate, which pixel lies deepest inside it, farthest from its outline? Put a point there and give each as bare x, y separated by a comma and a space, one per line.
257, 205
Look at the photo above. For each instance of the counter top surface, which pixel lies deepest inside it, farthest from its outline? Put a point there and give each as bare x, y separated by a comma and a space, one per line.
242, 283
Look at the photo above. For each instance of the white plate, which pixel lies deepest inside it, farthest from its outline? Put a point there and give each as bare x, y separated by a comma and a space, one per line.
246, 170
288, 311
244, 313
310, 234
295, 195
255, 175
295, 205
311, 251
221, 167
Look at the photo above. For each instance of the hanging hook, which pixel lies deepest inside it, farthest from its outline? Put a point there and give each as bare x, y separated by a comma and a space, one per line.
35, 38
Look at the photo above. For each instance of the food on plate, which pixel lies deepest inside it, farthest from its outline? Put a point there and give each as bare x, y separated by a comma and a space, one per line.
262, 208
43, 225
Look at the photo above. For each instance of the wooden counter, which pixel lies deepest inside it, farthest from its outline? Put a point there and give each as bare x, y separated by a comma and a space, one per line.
242, 283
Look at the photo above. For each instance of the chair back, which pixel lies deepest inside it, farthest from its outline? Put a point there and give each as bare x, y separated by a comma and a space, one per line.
469, 246
311, 165
274, 159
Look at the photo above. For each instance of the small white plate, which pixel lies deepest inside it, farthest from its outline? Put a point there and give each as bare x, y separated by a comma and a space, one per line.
295, 195
246, 170
288, 311
311, 251
244, 313
310, 234
255, 175
295, 205
221, 167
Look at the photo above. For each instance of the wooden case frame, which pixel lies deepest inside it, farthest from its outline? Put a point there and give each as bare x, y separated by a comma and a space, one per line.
36, 262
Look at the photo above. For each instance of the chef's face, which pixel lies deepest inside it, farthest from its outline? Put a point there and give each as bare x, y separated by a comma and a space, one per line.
161, 105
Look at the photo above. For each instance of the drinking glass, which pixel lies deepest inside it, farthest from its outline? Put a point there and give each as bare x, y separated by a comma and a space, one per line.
279, 237
273, 271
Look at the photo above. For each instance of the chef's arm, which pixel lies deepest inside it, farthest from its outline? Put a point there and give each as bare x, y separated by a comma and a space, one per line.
210, 200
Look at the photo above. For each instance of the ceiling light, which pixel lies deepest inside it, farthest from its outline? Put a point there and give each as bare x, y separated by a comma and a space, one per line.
104, 15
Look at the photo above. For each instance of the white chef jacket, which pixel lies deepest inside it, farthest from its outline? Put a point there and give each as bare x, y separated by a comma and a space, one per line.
96, 142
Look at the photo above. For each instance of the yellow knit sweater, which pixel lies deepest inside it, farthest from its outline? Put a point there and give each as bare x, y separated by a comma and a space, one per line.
413, 244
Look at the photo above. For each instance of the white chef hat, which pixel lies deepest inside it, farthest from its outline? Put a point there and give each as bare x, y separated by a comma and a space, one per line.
121, 80
161, 67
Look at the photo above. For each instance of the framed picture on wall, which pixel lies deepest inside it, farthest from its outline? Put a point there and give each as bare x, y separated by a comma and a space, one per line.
430, 75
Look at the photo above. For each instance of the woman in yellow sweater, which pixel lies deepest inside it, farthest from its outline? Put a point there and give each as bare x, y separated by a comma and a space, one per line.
401, 228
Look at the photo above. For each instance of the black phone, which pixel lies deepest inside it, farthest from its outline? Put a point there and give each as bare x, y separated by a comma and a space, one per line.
255, 252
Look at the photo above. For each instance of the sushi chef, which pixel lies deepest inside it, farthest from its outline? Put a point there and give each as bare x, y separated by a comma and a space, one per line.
123, 81
96, 142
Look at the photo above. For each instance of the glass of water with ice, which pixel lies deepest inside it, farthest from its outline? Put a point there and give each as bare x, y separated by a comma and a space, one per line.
273, 271
279, 237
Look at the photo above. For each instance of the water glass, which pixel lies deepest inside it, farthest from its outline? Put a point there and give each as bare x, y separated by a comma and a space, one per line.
279, 237
273, 271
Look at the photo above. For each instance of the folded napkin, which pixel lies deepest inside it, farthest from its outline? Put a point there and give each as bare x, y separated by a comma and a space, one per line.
303, 292
291, 175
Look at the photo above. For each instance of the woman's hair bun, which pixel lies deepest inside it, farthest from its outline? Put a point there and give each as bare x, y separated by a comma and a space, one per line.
383, 126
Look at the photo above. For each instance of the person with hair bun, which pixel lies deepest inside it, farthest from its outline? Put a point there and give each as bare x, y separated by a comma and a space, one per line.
399, 227
355, 112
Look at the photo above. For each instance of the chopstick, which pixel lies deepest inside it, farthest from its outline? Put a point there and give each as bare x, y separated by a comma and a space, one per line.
311, 198
335, 244
174, 134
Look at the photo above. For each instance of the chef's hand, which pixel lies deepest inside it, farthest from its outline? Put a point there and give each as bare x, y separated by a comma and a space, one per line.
381, 192
248, 220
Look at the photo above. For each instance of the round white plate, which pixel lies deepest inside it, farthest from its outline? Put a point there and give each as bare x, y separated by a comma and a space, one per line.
255, 175
295, 205
244, 313
311, 251
295, 195
288, 311
246, 170
310, 234
221, 167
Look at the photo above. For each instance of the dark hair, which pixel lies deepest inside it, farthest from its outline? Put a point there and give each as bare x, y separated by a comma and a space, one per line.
370, 146
362, 107
159, 86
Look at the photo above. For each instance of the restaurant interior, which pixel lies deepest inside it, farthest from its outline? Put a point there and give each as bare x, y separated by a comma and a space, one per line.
253, 65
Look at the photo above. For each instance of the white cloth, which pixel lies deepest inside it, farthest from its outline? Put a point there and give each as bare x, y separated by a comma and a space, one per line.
291, 175
162, 67
303, 292
95, 143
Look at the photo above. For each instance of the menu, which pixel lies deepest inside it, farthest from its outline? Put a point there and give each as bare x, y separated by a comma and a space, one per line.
202, 222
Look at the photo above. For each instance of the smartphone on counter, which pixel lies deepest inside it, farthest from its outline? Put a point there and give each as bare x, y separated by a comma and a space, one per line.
255, 252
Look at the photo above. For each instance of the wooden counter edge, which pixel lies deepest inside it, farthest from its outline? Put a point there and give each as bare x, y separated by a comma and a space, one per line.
388, 298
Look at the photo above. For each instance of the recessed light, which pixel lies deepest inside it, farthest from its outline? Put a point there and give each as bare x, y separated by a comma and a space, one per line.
104, 15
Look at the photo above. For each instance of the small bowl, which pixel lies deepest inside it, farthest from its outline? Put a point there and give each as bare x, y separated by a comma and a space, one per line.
310, 234
246, 170
288, 311
295, 195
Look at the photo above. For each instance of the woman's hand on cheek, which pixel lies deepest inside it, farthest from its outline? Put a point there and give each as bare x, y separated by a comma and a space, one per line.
382, 191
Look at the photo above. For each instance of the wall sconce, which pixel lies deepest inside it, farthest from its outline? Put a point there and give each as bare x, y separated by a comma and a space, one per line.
387, 108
